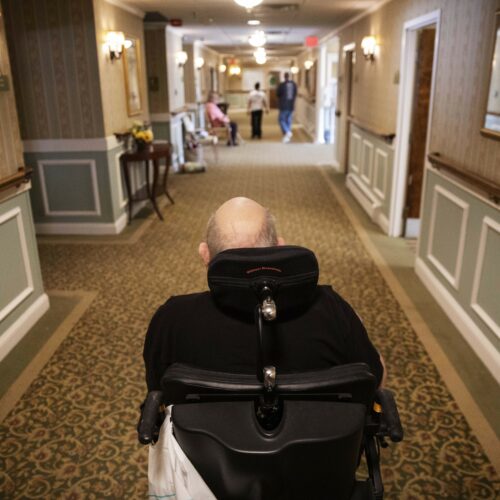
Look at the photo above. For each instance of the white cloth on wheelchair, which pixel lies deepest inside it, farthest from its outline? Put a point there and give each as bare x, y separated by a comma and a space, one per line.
170, 473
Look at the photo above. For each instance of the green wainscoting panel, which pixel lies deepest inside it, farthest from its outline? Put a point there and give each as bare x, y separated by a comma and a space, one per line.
70, 186
448, 216
161, 131
488, 276
14, 266
14, 270
374, 160
478, 267
59, 199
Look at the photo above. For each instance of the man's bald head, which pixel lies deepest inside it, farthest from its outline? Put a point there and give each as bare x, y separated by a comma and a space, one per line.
239, 223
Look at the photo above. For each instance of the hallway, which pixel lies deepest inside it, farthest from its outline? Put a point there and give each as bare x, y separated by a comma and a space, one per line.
72, 433
392, 178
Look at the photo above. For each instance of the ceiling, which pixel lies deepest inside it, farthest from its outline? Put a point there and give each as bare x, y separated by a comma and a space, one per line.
222, 24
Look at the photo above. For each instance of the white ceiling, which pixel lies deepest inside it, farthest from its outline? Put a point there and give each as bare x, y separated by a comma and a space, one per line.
222, 24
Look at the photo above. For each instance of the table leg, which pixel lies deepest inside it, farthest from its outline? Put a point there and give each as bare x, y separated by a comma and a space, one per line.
148, 188
153, 188
129, 190
167, 166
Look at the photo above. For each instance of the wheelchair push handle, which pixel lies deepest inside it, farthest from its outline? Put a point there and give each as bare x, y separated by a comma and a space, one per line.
390, 415
148, 428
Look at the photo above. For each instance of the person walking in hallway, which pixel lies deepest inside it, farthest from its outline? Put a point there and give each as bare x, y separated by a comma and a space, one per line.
286, 93
257, 103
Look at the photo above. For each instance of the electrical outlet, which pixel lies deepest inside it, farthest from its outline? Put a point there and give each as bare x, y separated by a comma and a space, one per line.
4, 83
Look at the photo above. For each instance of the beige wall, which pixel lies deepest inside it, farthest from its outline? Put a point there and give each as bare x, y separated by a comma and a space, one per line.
465, 45
54, 65
109, 17
11, 153
189, 79
156, 58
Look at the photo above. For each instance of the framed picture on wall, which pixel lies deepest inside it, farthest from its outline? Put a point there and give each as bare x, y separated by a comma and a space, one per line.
132, 69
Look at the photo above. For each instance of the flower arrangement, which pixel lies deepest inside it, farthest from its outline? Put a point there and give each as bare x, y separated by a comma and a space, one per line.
142, 135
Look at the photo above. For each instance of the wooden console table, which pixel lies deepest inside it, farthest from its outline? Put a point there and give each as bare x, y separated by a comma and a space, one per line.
153, 153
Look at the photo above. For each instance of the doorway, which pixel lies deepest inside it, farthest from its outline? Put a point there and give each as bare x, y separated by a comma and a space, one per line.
418, 130
274, 79
419, 48
346, 102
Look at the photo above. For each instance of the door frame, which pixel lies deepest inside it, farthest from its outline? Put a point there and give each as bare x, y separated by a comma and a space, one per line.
405, 107
343, 159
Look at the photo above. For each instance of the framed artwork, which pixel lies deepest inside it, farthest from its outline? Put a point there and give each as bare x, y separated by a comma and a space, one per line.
132, 69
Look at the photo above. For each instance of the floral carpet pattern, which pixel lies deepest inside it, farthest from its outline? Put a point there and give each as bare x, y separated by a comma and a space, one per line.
72, 434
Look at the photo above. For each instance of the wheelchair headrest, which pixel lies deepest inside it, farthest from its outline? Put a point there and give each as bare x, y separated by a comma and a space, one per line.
237, 277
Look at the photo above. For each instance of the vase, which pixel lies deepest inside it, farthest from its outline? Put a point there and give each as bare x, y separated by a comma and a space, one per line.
141, 146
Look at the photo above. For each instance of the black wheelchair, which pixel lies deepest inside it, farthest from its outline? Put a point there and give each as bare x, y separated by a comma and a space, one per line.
274, 435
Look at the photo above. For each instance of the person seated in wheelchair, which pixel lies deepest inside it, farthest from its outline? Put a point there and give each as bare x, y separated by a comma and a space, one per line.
191, 329
285, 413
219, 119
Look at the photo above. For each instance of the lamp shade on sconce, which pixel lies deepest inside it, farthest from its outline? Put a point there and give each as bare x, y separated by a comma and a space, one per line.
369, 46
181, 57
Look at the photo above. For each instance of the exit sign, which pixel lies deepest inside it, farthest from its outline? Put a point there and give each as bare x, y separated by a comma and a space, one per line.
311, 41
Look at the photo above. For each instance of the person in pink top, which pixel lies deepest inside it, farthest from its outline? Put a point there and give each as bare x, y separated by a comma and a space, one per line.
218, 119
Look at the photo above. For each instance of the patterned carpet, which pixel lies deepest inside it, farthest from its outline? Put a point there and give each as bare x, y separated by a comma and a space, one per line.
72, 435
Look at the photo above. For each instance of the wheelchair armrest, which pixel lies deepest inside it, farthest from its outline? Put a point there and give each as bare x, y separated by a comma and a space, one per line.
150, 421
389, 419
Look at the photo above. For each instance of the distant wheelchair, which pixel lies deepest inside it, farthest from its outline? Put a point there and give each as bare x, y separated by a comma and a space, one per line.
274, 435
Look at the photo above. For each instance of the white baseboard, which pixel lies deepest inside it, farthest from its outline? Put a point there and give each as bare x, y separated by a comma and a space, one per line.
13, 334
76, 228
485, 350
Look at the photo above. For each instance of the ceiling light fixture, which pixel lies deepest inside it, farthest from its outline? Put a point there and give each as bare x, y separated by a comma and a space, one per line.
234, 70
222, 68
308, 64
294, 70
253, 22
248, 4
257, 39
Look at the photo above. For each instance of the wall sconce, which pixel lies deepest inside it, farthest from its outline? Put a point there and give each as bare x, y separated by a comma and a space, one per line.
368, 46
308, 64
234, 70
294, 70
222, 68
199, 62
181, 58
116, 42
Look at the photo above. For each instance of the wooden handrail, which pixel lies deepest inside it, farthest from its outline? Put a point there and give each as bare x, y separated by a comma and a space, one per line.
492, 189
23, 175
381, 134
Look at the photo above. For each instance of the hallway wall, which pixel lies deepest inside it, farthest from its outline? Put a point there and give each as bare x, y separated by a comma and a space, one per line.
460, 228
108, 17
54, 64
461, 81
11, 152
22, 298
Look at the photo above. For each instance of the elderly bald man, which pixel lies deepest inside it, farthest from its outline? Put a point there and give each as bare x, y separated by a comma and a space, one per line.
190, 329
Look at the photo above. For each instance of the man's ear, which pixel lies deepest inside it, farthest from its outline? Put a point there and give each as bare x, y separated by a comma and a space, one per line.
204, 252
281, 241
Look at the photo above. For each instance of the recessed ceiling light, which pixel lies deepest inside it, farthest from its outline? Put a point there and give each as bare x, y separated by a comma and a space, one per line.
253, 22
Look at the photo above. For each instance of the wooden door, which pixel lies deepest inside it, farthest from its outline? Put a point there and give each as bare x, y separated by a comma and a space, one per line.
347, 104
274, 79
419, 122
